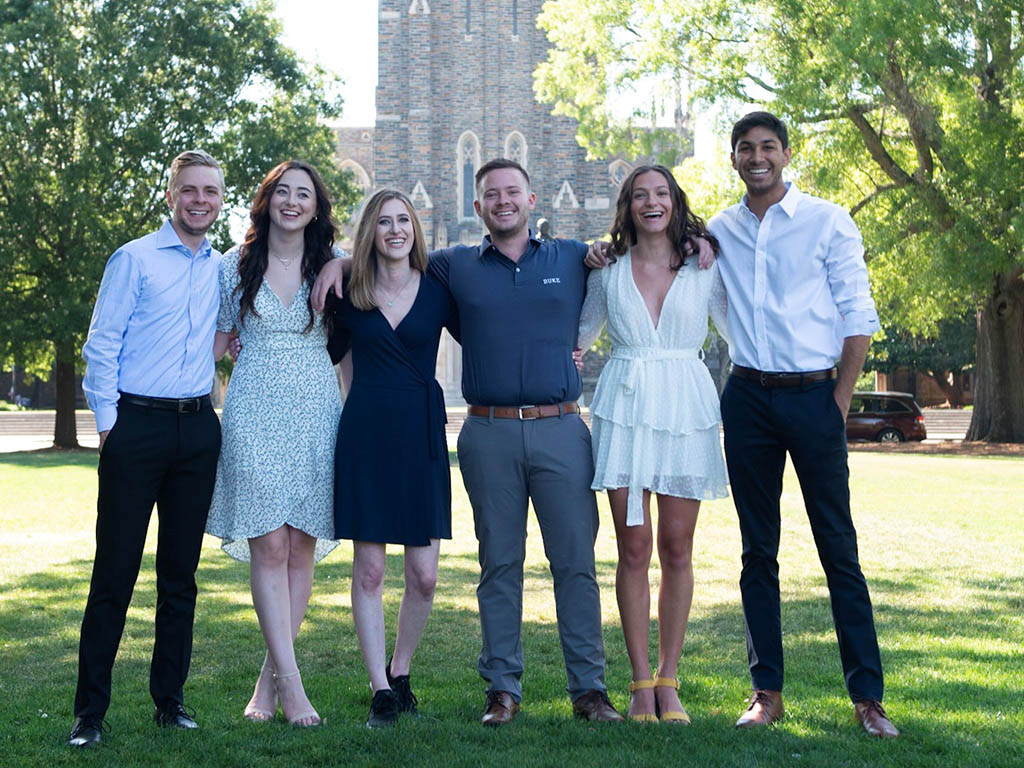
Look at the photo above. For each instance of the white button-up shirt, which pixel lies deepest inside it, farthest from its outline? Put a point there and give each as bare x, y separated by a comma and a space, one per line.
796, 283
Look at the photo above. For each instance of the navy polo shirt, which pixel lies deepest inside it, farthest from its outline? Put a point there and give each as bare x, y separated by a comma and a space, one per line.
519, 321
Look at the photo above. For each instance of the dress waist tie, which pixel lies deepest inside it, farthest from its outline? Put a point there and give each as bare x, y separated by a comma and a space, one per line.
637, 357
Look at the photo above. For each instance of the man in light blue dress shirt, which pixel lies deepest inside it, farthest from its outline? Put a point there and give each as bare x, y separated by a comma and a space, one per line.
799, 301
149, 372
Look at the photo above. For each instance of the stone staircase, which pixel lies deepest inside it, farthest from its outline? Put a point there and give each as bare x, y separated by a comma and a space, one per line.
947, 421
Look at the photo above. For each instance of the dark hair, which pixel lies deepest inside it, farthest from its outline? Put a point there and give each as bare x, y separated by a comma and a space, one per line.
253, 253
759, 120
683, 225
495, 164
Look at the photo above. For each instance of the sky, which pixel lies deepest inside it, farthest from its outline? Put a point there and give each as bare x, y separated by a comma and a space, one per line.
341, 36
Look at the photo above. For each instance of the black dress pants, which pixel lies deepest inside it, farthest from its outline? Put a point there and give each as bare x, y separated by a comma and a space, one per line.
170, 459
761, 425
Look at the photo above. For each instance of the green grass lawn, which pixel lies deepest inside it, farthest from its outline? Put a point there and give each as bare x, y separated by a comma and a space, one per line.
941, 543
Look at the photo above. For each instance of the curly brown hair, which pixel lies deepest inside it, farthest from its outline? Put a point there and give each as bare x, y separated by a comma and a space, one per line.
683, 225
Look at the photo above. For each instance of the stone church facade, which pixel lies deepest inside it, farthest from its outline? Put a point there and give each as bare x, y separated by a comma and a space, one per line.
455, 89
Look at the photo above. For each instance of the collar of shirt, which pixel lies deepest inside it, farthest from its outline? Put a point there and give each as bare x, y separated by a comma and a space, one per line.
167, 237
486, 245
788, 203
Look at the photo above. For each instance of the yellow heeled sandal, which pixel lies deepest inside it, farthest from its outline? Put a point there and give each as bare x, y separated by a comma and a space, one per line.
642, 685
671, 717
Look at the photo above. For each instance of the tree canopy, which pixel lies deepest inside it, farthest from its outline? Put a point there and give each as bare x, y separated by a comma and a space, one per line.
96, 98
909, 113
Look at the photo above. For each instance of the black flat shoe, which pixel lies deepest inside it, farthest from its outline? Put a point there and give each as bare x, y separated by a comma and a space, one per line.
406, 699
87, 732
174, 716
383, 709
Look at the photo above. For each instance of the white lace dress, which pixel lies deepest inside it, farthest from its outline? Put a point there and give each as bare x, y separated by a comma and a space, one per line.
655, 414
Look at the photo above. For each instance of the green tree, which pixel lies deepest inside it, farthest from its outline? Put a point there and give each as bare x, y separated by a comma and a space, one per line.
96, 97
951, 350
909, 113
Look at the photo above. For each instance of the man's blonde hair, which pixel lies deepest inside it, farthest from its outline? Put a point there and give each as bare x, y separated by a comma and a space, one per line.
189, 158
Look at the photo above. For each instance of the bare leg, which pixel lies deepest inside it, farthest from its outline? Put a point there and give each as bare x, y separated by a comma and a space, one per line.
368, 567
417, 600
633, 592
269, 579
677, 520
263, 704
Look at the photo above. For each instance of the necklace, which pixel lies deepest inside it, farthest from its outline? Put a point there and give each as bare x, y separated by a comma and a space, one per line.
284, 262
391, 302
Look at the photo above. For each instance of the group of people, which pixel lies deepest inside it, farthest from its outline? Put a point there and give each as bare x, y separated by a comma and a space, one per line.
288, 471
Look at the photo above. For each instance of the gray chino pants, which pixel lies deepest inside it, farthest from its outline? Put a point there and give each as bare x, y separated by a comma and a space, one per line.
506, 463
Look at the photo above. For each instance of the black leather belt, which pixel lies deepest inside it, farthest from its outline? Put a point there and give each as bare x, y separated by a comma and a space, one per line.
766, 379
183, 405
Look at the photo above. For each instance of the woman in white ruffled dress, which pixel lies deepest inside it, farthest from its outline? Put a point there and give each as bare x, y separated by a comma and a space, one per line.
655, 417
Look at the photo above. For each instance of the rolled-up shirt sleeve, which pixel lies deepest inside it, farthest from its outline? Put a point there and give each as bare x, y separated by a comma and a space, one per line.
115, 303
848, 279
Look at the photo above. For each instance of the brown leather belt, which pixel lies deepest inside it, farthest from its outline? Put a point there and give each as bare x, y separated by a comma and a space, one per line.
524, 413
184, 405
783, 379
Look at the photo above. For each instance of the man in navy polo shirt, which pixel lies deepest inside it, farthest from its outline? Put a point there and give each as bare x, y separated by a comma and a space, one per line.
519, 300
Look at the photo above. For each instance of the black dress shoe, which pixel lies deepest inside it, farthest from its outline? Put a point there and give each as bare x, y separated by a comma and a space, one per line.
383, 709
86, 732
173, 715
406, 699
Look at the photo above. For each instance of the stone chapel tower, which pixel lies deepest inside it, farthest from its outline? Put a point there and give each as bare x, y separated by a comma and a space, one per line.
455, 89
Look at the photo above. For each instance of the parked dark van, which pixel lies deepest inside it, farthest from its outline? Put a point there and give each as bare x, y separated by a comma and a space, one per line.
888, 417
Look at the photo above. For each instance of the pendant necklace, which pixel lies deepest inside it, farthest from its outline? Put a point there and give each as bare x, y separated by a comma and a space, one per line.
391, 302
284, 262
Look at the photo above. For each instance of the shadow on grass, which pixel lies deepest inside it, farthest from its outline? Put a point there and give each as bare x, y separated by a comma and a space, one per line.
949, 697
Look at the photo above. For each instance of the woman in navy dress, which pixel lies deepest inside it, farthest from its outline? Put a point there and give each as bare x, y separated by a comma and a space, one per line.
392, 478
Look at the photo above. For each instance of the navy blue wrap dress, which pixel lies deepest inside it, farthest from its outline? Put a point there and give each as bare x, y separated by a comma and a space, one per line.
392, 481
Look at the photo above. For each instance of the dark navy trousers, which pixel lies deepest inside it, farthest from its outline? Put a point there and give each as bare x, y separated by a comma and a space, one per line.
761, 425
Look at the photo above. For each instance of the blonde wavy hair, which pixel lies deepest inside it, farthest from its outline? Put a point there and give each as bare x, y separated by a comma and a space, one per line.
363, 280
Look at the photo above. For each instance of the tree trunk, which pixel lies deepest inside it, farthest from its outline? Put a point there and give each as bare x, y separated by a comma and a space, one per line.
999, 388
952, 392
65, 431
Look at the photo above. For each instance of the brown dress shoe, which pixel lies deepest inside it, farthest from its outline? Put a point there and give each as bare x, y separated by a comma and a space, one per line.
500, 709
875, 721
765, 708
595, 707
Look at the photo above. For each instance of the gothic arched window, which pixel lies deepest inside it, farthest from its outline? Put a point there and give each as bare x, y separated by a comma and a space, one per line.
618, 170
515, 148
467, 160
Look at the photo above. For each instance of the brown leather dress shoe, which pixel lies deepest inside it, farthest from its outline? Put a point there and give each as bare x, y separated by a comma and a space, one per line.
595, 707
765, 708
875, 721
500, 709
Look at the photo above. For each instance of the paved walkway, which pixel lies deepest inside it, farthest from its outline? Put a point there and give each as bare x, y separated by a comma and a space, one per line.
32, 430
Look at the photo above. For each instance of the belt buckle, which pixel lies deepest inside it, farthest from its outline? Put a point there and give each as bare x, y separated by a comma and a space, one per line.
188, 406
519, 413
763, 380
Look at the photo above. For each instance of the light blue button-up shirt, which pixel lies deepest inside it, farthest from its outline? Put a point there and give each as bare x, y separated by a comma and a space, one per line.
153, 324
796, 281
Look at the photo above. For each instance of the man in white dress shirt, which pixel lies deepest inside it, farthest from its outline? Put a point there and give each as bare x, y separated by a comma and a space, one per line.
799, 301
